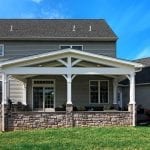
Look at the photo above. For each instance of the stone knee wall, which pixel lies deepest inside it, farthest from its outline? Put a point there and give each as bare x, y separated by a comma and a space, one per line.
34, 120
102, 119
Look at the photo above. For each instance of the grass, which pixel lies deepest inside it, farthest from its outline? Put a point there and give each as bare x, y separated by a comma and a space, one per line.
125, 138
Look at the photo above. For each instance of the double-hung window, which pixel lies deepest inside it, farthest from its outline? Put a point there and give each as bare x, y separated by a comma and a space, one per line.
99, 91
1, 49
77, 47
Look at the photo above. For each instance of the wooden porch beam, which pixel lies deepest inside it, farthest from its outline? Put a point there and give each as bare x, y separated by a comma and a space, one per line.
65, 70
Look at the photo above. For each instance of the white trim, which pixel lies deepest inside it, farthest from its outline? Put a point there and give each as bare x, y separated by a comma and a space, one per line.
71, 46
73, 76
69, 89
99, 100
68, 70
138, 84
2, 45
44, 85
67, 51
4, 98
24, 88
5, 88
132, 89
62, 62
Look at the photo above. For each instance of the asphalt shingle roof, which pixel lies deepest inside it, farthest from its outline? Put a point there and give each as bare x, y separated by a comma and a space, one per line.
54, 29
142, 76
144, 61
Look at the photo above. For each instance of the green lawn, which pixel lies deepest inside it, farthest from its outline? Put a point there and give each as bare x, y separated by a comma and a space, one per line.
78, 138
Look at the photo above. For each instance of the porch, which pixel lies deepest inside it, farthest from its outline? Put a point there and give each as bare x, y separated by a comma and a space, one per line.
48, 93
74, 79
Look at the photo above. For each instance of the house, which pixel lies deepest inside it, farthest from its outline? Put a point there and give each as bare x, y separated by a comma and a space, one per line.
142, 89
62, 73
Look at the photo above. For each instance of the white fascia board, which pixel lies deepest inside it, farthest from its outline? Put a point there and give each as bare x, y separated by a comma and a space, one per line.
32, 57
64, 70
65, 51
137, 65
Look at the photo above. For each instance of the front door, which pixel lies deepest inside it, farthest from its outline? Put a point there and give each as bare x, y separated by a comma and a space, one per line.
43, 95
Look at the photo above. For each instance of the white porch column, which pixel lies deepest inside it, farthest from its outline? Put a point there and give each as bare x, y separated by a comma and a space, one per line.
4, 97
132, 89
5, 88
115, 85
69, 89
24, 93
132, 102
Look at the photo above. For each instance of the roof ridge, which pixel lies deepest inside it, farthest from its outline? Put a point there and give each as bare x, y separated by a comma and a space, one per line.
96, 19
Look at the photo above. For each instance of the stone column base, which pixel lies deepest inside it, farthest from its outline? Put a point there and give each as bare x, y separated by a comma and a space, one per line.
134, 114
130, 107
69, 115
69, 107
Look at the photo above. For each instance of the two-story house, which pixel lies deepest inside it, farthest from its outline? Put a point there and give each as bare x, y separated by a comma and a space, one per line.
62, 73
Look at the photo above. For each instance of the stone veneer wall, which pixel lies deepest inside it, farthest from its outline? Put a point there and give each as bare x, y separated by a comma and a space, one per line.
115, 118
35, 120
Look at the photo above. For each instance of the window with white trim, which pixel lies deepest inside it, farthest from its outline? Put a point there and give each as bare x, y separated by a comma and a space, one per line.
1, 49
77, 47
43, 94
99, 91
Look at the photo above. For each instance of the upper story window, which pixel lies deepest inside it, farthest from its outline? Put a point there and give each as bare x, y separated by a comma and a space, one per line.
1, 49
77, 47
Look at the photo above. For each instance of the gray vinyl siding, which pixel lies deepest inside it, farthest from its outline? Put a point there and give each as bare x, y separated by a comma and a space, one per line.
142, 95
15, 90
80, 90
21, 49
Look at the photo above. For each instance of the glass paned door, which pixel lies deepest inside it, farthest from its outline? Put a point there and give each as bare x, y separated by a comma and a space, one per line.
49, 98
43, 98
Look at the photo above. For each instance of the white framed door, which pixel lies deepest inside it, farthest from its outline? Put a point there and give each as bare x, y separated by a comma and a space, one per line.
43, 95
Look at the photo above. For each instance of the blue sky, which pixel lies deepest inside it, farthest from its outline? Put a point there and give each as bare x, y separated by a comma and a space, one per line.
130, 19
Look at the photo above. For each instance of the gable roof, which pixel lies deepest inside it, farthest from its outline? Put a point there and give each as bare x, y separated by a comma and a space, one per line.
56, 29
142, 77
144, 61
64, 52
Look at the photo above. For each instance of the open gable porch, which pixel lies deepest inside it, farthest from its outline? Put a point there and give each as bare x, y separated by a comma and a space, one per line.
71, 78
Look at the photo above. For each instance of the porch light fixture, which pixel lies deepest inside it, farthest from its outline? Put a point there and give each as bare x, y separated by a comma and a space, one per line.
74, 28
11, 28
90, 28
98, 65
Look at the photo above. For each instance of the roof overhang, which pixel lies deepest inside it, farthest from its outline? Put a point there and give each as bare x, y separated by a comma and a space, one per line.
59, 38
76, 53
